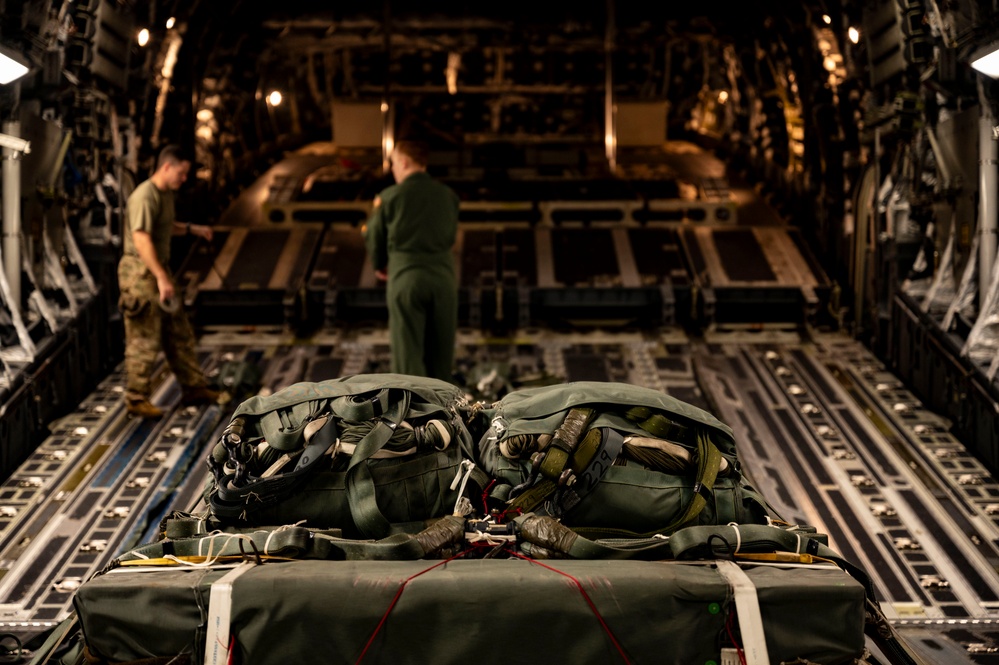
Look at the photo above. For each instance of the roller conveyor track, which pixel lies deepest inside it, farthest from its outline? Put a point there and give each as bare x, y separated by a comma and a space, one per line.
853, 453
87, 493
828, 435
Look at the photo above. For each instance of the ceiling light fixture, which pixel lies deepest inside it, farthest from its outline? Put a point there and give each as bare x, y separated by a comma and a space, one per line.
986, 60
12, 65
854, 34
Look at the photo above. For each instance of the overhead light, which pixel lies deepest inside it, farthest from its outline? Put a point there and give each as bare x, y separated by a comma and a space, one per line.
274, 99
12, 65
170, 23
827, 19
854, 34
143, 37
986, 60
451, 73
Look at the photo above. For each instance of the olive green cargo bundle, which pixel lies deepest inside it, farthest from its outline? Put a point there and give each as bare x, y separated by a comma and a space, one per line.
615, 460
339, 531
261, 608
368, 454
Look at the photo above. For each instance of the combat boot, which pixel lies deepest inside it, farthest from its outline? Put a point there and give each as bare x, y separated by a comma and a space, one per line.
143, 408
195, 395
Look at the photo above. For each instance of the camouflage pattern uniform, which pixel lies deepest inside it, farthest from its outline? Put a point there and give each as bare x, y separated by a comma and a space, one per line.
149, 329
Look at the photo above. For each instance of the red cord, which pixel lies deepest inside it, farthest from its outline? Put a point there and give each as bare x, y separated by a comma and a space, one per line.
578, 584
485, 497
731, 637
396, 599
589, 602
502, 516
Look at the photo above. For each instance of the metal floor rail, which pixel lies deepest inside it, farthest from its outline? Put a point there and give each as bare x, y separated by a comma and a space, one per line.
823, 430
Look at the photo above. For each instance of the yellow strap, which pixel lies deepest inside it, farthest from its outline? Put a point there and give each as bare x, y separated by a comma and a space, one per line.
777, 557
181, 560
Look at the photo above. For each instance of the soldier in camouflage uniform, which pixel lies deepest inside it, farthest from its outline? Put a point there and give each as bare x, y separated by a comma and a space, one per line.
154, 320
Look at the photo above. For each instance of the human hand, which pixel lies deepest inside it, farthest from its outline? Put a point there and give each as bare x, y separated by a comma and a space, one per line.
202, 231
165, 286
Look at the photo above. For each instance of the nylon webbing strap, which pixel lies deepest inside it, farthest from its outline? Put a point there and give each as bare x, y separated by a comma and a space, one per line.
660, 426
600, 458
708, 462
284, 428
230, 501
219, 614
534, 496
564, 442
359, 408
553, 536
695, 542
596, 454
747, 604
290, 542
557, 456
593, 456
360, 484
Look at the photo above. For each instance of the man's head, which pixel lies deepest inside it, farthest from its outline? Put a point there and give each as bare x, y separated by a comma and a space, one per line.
172, 168
408, 157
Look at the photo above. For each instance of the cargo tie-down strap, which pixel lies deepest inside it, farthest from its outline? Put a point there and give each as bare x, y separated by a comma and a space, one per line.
699, 542
217, 641
747, 605
295, 542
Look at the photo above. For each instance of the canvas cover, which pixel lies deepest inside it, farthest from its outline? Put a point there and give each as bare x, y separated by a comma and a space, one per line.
472, 611
616, 496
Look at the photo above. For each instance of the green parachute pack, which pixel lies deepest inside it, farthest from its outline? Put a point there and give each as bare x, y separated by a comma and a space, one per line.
615, 460
368, 454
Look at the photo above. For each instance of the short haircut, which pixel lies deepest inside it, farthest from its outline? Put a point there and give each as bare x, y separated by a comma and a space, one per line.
418, 151
173, 154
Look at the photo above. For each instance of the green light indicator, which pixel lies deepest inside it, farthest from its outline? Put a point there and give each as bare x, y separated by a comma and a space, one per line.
714, 608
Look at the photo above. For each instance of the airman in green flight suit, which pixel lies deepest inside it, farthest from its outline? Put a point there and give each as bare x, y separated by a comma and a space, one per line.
409, 237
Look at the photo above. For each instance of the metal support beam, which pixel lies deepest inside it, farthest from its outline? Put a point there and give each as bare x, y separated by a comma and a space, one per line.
988, 210
12, 209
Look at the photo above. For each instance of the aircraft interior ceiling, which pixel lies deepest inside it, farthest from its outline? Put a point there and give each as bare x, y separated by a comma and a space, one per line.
783, 213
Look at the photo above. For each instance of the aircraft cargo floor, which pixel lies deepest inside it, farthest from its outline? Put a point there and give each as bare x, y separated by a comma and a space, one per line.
824, 430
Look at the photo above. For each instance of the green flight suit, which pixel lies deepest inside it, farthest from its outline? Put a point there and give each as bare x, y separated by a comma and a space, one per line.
410, 234
148, 329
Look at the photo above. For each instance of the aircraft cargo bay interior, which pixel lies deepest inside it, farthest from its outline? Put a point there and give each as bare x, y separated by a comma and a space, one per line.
780, 214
